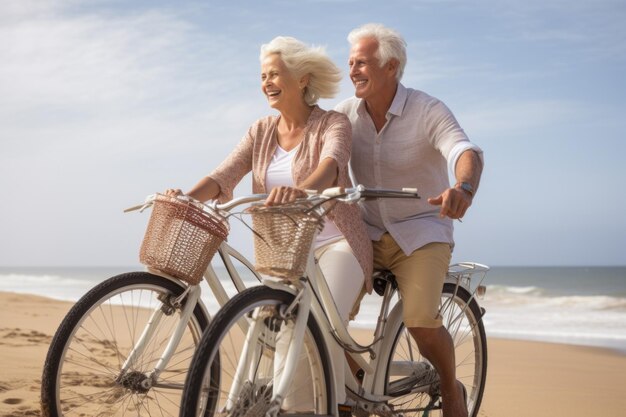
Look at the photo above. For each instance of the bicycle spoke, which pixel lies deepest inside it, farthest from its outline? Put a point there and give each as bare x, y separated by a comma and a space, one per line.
264, 346
463, 324
89, 359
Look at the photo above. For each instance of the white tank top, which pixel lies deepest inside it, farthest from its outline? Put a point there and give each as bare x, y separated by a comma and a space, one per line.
279, 174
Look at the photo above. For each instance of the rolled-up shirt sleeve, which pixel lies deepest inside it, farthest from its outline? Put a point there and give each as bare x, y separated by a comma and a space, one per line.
458, 150
447, 135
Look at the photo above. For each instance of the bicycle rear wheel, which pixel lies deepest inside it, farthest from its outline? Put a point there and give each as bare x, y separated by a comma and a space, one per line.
83, 370
250, 337
462, 319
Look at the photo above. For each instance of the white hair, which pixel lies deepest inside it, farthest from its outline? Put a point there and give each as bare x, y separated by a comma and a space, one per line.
391, 45
301, 60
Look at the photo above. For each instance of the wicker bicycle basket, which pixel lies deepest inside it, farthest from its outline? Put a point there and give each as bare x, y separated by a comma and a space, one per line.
181, 238
283, 238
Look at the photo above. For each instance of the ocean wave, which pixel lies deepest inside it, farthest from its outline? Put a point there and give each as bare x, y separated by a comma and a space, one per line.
535, 297
606, 340
10, 280
561, 335
505, 289
598, 302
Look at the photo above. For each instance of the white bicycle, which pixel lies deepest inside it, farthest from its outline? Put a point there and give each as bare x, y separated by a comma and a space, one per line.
273, 342
125, 347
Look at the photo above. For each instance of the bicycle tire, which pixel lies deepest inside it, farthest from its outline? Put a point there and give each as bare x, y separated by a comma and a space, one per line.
83, 365
224, 338
470, 345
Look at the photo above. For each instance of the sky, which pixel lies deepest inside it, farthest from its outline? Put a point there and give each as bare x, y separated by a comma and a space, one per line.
103, 102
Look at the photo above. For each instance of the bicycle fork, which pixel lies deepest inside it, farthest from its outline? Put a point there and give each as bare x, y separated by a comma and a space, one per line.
144, 381
251, 350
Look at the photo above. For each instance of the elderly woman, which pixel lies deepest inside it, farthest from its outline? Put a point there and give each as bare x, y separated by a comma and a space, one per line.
304, 147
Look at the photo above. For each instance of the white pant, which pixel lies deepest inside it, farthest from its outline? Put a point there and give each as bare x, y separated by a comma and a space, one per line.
345, 279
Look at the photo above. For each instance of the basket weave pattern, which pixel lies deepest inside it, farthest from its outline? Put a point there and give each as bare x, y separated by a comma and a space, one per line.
283, 239
181, 239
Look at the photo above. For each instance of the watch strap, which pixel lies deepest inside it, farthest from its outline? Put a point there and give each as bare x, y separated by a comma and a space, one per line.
466, 186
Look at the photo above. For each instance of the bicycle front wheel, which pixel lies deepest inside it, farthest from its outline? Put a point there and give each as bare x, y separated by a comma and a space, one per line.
251, 335
85, 373
414, 391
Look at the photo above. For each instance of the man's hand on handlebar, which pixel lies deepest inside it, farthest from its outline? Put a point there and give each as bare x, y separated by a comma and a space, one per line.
454, 203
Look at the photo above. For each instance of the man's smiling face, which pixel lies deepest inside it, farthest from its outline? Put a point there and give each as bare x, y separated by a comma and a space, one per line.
366, 73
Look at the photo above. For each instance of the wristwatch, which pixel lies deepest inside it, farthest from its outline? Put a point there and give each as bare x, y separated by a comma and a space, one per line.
467, 187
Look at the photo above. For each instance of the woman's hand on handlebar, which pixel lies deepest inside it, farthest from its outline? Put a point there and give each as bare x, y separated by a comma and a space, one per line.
283, 195
173, 192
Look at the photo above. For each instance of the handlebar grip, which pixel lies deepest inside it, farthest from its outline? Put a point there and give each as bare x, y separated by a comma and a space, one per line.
333, 192
410, 190
133, 208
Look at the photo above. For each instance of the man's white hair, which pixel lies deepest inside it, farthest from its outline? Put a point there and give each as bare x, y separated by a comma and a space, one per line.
300, 60
391, 44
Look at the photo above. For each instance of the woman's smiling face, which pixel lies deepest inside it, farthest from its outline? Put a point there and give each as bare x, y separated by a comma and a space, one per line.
280, 87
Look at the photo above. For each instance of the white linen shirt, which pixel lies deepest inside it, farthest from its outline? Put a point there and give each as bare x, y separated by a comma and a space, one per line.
420, 141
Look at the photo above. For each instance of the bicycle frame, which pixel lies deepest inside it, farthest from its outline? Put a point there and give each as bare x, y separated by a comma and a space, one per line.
324, 310
192, 296
314, 290
262, 369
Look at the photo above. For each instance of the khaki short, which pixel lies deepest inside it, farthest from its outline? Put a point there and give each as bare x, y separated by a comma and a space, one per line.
420, 278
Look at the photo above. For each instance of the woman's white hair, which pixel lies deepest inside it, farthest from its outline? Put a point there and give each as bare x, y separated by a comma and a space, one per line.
391, 45
300, 60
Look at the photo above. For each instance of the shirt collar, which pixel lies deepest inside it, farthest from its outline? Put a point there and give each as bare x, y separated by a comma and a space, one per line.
397, 105
361, 110
399, 100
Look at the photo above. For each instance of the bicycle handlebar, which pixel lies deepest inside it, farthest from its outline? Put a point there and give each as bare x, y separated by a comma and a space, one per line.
361, 192
237, 202
214, 205
347, 195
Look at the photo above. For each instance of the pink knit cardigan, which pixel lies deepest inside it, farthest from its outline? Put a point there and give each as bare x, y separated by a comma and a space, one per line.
327, 134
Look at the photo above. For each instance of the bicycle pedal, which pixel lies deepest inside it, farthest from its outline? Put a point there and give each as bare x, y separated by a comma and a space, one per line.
345, 410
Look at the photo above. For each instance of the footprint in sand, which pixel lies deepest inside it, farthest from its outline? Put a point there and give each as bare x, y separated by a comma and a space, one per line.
13, 401
24, 413
18, 337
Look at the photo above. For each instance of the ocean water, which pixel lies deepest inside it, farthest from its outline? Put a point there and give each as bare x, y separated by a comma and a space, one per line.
573, 305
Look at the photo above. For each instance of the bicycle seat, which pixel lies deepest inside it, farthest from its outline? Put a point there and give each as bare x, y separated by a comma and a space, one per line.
382, 278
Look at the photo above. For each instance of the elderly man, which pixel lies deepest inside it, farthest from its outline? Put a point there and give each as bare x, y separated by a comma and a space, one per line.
405, 138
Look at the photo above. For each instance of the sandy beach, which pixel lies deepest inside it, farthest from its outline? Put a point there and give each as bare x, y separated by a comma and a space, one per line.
524, 378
